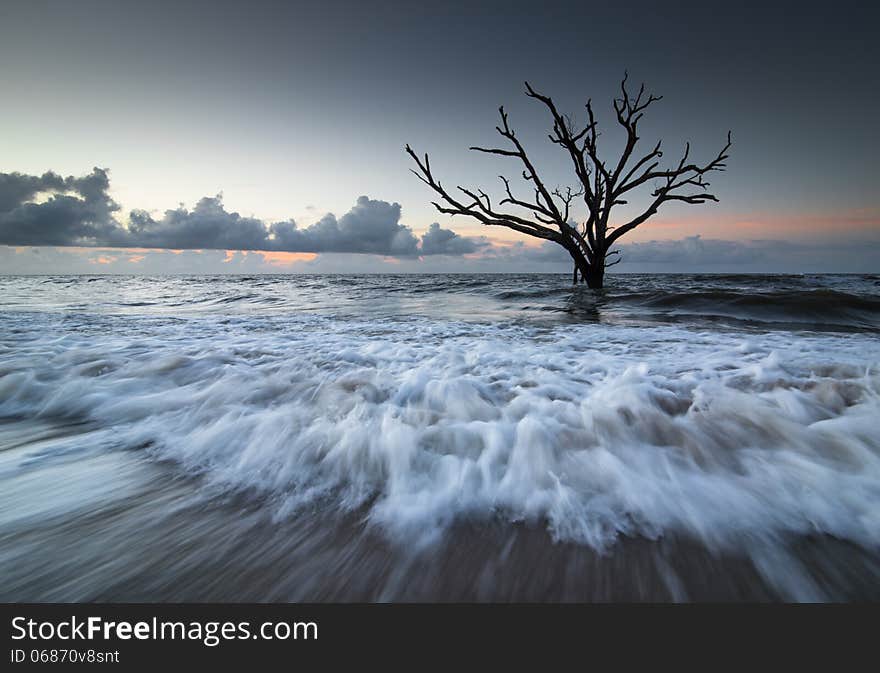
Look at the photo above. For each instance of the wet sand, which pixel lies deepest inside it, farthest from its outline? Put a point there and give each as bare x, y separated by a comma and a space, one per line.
157, 537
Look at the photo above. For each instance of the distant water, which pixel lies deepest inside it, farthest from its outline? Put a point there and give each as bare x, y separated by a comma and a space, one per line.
439, 437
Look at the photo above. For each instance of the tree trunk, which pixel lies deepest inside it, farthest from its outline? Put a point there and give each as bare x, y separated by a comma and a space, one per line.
581, 266
595, 277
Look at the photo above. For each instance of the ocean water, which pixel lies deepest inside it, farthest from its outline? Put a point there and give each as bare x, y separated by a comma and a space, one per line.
439, 437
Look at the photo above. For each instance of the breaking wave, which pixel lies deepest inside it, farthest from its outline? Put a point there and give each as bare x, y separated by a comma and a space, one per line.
311, 437
595, 432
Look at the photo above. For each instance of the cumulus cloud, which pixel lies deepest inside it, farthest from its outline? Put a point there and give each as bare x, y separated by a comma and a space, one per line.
439, 241
17, 188
764, 256
370, 227
207, 226
51, 210
77, 211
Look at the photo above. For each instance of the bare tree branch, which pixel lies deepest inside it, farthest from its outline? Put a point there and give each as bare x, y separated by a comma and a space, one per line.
600, 188
480, 210
684, 175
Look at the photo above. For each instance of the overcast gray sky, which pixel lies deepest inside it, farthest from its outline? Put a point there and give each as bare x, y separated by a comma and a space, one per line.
297, 113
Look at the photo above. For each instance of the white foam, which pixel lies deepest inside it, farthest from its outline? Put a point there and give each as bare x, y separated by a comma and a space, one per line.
593, 431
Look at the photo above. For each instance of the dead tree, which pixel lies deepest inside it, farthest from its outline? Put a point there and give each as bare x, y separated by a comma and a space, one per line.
602, 186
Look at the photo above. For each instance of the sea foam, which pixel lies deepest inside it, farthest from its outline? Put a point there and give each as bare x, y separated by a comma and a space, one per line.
593, 431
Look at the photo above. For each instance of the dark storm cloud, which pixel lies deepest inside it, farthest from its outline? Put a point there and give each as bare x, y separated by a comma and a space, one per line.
78, 211
17, 188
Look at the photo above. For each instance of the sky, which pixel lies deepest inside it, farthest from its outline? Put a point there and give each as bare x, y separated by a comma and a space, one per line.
268, 136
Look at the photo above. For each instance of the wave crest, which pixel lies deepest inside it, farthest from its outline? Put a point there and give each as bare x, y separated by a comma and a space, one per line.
593, 432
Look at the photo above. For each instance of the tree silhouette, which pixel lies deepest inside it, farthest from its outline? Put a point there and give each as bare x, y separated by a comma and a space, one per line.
601, 185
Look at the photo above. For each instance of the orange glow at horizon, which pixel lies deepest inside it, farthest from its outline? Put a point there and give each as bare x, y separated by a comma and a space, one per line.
283, 258
751, 226
727, 226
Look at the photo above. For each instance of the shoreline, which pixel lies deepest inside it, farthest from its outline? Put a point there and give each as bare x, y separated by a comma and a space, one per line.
165, 538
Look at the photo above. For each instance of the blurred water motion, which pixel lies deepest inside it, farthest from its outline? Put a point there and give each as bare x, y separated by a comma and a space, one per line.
474, 437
